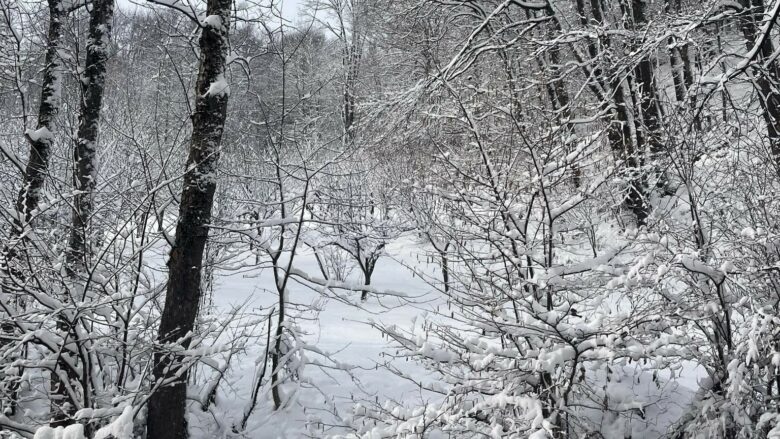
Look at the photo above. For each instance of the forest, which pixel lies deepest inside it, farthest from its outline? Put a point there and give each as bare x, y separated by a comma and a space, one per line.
541, 219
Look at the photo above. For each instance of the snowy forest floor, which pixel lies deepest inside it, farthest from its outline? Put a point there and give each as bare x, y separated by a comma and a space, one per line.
342, 329
321, 402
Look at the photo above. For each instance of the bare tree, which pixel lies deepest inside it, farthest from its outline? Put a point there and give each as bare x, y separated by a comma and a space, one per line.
40, 141
167, 405
85, 150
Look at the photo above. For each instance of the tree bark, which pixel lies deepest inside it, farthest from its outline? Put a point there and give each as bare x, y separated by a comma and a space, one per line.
368, 270
167, 405
445, 270
559, 96
84, 178
767, 78
276, 355
619, 134
351, 62
41, 140
38, 161
649, 105
618, 128
85, 149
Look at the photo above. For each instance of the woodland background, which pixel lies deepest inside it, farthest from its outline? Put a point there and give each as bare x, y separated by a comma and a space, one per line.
409, 218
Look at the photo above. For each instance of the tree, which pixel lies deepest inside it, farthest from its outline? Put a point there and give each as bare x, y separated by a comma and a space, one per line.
85, 149
167, 405
40, 145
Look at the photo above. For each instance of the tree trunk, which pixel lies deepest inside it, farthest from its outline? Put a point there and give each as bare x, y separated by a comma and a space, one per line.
42, 139
445, 270
618, 129
559, 96
276, 355
649, 105
84, 152
84, 178
680, 64
619, 134
351, 62
38, 162
167, 405
765, 78
367, 272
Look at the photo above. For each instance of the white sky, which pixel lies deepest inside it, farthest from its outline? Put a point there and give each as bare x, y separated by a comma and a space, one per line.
290, 8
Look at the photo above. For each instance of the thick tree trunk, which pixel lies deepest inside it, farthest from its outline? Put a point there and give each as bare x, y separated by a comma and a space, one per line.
767, 78
85, 149
648, 106
84, 178
559, 96
619, 134
680, 64
42, 138
38, 162
167, 405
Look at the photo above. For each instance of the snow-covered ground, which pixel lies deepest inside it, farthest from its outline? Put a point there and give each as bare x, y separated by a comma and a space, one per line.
342, 329
324, 404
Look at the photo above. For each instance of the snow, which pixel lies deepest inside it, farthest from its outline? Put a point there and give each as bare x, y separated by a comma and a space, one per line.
696, 266
636, 359
120, 428
219, 87
438, 355
748, 232
75, 431
42, 133
341, 338
214, 21
343, 330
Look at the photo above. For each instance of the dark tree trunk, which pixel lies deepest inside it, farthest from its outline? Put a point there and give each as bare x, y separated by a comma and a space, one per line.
619, 134
767, 78
85, 149
84, 178
42, 139
618, 129
276, 355
649, 105
38, 162
368, 271
559, 96
445, 271
676, 61
675, 65
352, 54
167, 405
351, 61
